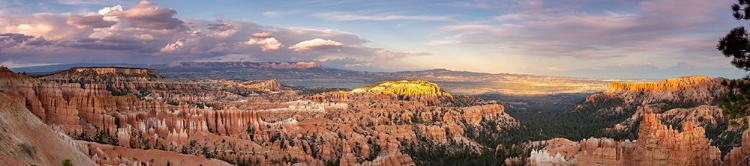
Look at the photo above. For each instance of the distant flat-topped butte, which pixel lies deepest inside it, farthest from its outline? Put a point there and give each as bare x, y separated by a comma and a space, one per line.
667, 84
405, 88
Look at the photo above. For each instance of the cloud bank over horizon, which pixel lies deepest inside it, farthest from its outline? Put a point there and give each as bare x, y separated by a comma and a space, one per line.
580, 38
149, 33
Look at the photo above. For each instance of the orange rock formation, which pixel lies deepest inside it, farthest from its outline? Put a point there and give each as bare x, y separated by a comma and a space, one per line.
657, 144
664, 85
405, 88
740, 155
234, 122
25, 140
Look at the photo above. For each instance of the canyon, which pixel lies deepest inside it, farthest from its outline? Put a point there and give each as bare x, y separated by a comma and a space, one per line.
670, 122
374, 83
138, 112
673, 100
657, 144
133, 116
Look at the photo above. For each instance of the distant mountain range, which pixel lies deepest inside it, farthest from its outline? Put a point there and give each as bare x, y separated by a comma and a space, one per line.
311, 74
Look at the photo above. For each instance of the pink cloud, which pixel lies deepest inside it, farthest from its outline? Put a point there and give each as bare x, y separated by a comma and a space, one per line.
316, 43
443, 42
149, 33
148, 15
92, 21
265, 41
541, 29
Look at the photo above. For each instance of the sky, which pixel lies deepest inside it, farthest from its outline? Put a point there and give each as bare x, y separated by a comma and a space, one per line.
576, 38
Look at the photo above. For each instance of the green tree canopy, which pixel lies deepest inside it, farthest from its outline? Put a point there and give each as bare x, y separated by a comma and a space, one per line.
67, 162
736, 45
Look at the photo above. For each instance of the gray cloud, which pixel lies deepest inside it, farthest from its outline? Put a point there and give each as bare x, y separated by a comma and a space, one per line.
220, 27
14, 38
148, 33
93, 21
148, 15
38, 41
646, 70
555, 29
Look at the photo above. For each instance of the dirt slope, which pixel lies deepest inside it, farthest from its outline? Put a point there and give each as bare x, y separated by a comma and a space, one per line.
26, 140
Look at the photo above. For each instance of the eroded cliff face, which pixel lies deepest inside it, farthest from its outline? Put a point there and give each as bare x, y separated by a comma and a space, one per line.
248, 122
657, 144
25, 140
739, 155
671, 84
147, 84
673, 99
99, 74
696, 89
265, 85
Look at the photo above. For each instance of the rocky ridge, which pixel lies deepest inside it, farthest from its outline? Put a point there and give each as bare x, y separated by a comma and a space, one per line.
664, 85
699, 89
675, 98
259, 65
109, 74
405, 88
739, 155
210, 119
25, 140
657, 144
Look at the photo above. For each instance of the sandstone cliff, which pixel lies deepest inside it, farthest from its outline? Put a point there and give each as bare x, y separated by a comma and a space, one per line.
677, 99
243, 122
739, 155
657, 144
25, 140
246, 86
405, 88
104, 74
695, 89
672, 84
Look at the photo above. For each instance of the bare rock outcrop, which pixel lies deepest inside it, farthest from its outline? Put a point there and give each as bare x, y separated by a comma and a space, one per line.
657, 144
674, 99
99, 74
269, 85
128, 111
664, 85
739, 155
25, 140
405, 88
